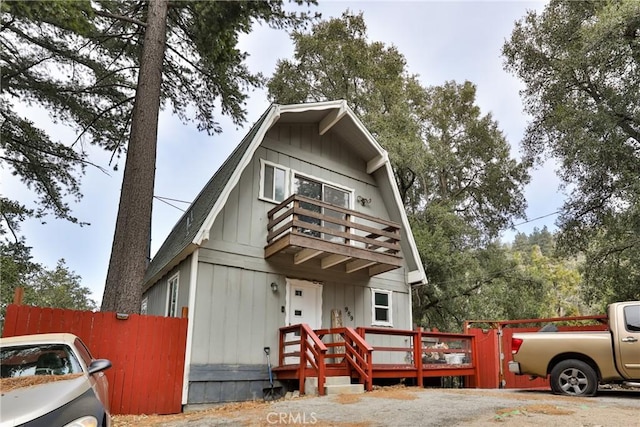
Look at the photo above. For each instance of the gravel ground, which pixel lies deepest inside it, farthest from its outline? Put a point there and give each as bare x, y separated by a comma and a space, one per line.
412, 406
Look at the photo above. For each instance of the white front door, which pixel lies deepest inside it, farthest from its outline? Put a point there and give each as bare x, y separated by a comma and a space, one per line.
303, 305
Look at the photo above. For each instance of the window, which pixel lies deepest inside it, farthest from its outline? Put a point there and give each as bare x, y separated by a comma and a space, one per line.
38, 359
381, 308
172, 296
327, 193
273, 182
632, 318
143, 305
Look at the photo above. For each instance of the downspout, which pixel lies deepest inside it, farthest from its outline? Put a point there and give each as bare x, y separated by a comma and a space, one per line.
193, 279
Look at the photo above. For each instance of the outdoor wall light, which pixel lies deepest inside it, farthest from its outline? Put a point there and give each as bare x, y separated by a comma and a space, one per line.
363, 201
274, 286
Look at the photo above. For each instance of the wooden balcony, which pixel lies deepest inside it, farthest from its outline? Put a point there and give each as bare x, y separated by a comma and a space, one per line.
331, 237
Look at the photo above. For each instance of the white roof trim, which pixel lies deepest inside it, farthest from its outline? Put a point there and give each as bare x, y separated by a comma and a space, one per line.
377, 162
315, 106
203, 233
415, 276
331, 119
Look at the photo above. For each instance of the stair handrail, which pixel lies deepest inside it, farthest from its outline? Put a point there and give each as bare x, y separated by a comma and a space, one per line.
361, 356
316, 349
357, 353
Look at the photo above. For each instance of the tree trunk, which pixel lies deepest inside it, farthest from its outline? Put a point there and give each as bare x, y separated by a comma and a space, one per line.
130, 251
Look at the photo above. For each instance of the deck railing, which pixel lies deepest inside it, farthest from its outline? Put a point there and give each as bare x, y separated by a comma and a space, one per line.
352, 350
423, 353
398, 353
308, 349
331, 222
334, 237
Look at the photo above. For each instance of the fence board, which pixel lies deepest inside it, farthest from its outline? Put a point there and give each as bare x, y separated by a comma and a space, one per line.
147, 352
494, 369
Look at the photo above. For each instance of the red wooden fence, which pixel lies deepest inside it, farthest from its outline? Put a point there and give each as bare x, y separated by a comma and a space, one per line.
494, 349
147, 352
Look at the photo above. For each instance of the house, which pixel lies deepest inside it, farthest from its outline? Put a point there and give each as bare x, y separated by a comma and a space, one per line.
303, 223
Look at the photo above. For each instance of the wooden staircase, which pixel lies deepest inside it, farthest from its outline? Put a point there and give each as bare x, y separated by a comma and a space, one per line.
306, 359
352, 353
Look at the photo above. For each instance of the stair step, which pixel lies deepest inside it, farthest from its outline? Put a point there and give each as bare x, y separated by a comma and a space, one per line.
332, 390
311, 384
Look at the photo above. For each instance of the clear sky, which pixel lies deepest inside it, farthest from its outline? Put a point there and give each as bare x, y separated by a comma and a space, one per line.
442, 41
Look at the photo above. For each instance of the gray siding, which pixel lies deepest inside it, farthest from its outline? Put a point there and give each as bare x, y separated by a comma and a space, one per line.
236, 314
157, 294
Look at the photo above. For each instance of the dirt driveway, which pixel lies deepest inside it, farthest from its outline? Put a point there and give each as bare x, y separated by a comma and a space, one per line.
412, 406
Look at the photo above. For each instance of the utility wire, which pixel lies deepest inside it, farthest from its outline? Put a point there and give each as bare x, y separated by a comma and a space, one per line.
162, 199
537, 218
172, 200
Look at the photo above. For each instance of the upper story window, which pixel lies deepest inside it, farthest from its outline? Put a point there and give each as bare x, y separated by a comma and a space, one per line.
278, 182
172, 296
325, 192
381, 307
273, 182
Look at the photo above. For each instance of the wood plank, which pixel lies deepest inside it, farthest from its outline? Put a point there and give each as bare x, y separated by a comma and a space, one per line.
275, 233
303, 241
332, 260
358, 265
330, 119
277, 246
305, 255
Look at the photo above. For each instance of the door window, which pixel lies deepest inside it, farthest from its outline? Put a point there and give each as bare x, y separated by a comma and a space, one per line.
632, 318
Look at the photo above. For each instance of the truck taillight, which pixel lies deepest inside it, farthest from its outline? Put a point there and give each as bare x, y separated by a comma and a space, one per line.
515, 344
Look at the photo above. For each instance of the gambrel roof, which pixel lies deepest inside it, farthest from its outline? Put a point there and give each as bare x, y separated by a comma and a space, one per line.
193, 227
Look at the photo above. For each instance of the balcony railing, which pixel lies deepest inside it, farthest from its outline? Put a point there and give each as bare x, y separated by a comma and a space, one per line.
332, 237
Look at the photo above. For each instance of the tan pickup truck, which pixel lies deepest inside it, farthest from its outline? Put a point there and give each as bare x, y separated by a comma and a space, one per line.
577, 362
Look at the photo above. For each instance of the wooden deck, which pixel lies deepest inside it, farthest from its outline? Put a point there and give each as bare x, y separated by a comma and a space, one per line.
347, 352
327, 236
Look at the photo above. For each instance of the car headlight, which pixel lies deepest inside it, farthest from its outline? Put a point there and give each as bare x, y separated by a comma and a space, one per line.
88, 421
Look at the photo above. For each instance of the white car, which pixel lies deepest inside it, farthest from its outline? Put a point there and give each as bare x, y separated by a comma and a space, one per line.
52, 380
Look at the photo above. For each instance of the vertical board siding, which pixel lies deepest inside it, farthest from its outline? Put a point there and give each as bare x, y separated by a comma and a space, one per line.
147, 352
157, 295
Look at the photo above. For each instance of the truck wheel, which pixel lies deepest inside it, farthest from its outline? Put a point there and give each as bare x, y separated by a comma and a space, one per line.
574, 378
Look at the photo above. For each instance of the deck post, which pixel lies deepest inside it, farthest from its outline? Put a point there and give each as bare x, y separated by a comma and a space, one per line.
417, 354
281, 349
302, 368
321, 372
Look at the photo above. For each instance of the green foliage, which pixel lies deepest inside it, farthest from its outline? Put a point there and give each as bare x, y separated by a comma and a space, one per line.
16, 269
543, 239
57, 288
468, 165
336, 61
580, 62
79, 61
452, 163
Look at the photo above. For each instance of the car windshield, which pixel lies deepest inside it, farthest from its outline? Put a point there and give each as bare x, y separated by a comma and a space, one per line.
38, 359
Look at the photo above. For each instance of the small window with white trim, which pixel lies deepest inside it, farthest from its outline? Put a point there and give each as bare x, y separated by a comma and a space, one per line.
273, 182
172, 296
381, 308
